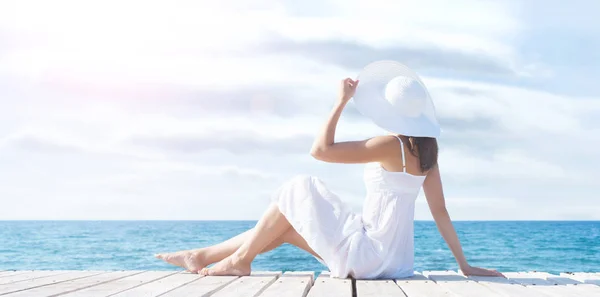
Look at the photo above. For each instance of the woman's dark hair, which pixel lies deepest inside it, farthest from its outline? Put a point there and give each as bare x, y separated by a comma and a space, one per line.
426, 149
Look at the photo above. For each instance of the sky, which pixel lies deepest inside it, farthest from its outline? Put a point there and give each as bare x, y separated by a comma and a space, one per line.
199, 110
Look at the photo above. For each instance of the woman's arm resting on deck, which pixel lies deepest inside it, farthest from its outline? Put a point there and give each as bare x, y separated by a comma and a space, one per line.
432, 187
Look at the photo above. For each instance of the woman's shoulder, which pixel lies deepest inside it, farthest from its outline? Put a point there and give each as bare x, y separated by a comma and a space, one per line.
388, 144
388, 137
387, 140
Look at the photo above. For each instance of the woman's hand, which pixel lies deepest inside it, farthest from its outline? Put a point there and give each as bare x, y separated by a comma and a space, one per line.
347, 89
476, 271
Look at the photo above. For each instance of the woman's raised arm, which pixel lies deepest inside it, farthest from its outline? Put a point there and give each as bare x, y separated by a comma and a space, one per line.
325, 148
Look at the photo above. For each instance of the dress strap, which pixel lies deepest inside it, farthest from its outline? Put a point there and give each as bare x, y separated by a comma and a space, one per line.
402, 152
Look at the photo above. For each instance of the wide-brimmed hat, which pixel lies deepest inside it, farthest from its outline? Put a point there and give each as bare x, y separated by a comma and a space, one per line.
395, 99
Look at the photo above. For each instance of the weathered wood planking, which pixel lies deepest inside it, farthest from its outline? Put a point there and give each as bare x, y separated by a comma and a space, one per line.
202, 287
378, 288
584, 277
45, 281
161, 286
539, 284
577, 286
564, 286
12, 273
291, 284
310, 274
507, 287
247, 286
121, 285
421, 286
325, 286
62, 288
28, 275
460, 285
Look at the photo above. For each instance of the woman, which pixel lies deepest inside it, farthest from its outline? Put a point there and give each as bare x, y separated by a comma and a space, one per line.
375, 244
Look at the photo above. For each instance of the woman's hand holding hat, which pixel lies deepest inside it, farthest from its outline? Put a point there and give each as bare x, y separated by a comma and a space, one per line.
347, 89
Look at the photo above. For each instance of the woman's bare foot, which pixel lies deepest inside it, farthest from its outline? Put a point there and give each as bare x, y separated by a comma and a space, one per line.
192, 261
231, 265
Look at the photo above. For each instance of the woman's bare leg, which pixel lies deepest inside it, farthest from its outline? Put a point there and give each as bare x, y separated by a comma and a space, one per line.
195, 260
269, 228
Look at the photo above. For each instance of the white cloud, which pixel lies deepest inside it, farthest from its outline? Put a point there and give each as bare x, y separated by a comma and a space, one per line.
517, 110
177, 110
188, 42
500, 166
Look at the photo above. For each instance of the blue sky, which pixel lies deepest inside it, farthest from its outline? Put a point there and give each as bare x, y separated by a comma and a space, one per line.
199, 110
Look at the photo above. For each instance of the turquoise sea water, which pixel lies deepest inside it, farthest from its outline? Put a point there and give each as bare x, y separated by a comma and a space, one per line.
130, 245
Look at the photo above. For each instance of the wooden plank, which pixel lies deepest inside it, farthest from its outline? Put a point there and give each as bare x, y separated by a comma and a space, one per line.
161, 286
325, 286
460, 285
325, 274
584, 277
28, 275
291, 284
204, 286
507, 287
421, 286
11, 273
61, 288
246, 286
302, 273
553, 278
537, 283
378, 288
121, 285
266, 273
45, 281
575, 285
528, 279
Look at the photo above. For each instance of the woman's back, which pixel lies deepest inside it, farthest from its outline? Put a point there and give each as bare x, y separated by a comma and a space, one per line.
388, 213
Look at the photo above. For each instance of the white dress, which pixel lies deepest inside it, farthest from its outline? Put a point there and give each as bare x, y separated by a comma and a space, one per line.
379, 243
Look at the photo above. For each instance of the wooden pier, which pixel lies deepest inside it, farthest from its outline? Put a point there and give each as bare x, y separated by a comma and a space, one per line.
292, 284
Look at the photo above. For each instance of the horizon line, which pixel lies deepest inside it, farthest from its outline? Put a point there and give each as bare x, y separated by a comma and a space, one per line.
254, 220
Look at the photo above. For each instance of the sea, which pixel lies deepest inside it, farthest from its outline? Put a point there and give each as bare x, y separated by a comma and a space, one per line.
551, 246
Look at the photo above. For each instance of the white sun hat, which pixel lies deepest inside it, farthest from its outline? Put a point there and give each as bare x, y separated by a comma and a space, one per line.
395, 99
